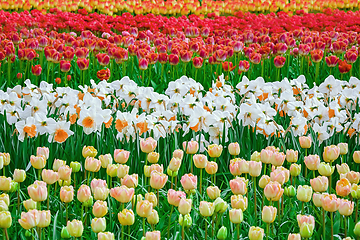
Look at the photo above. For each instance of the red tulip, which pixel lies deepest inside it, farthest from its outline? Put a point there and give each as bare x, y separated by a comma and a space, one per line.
197, 62
173, 59
344, 67
143, 63
244, 66
279, 61
332, 60
36, 70
65, 66
83, 63
103, 59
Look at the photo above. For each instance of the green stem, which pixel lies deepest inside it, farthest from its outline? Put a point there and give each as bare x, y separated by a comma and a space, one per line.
302, 208
205, 228
191, 163
238, 230
255, 208
267, 231
317, 81
345, 226
48, 197
88, 180
39, 174
144, 227
66, 210
332, 225
323, 223
200, 181
357, 210
172, 209
122, 232
82, 213
183, 232
9, 71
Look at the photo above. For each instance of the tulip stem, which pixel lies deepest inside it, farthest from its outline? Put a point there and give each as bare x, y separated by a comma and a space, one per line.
39, 174
144, 227
172, 181
200, 181
172, 209
157, 196
205, 228
82, 212
129, 228
302, 208
18, 199
323, 223
238, 230
191, 163
345, 219
332, 225
357, 209
183, 232
122, 232
88, 179
48, 197
66, 210
255, 208
267, 231
9, 70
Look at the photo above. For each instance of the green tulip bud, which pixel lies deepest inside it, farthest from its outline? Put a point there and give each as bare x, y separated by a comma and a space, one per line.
185, 220
75, 166
27, 233
220, 205
306, 230
65, 233
171, 173
290, 191
13, 186
222, 233
357, 229
89, 202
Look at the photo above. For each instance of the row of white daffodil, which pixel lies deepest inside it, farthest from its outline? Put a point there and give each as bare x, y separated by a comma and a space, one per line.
269, 107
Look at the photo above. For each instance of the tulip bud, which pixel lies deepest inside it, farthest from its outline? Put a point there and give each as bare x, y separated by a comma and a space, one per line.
343, 148
214, 150
256, 233
269, 214
122, 170
255, 156
5, 219
291, 156
178, 153
206, 209
325, 169
264, 180
239, 202
89, 202
105, 160
151, 197
234, 148
65, 233
185, 220
304, 193
126, 217
331, 153
306, 225
38, 162
220, 205
294, 236
75, 166
121, 156
211, 168
100, 209
89, 151
290, 191
357, 229
305, 141
213, 192
185, 206
29, 204
57, 164
191, 147
222, 233
153, 157
200, 160
356, 156
75, 228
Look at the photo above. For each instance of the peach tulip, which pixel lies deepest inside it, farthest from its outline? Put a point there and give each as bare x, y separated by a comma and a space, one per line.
65, 173
189, 181
178, 153
238, 186
185, 206
304, 193
158, 180
75, 228
239, 202
191, 147
174, 197
236, 216
213, 192
126, 217
131, 181
255, 168
330, 202
214, 150
29, 219
211, 168
105, 160
273, 191
305, 141
319, 184
38, 191
331, 153
256, 233
343, 187
148, 145
122, 170
268, 214
144, 208
122, 194
100, 208
234, 148
49, 176
200, 160
67, 194
83, 193
312, 162
92, 164
121, 156
206, 209
38, 162
89, 151
98, 225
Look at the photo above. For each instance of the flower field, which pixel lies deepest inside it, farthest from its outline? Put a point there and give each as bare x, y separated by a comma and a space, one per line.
179, 120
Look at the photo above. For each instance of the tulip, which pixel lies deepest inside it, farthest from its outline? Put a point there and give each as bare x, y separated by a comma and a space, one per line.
279, 61
121, 156
355, 191
155, 235
126, 217
319, 184
317, 199
44, 219
29, 219
343, 148
244, 66
235, 166
331, 153
92, 164
294, 236
268, 214
122, 194
343, 168
291, 156
191, 147
185, 221
305, 142
19, 175
98, 225
38, 191
273, 191
103, 59
312, 162
75, 228
131, 181
43, 151
65, 66
238, 186
330, 202
29, 204
346, 207
211, 168
353, 177
222, 233
153, 157
264, 180
265, 156
66, 194
122, 170
64, 173
220, 205
214, 150
153, 218
213, 192
343, 187
189, 182
36, 70
106, 236
295, 169
57, 164
49, 176
255, 156
356, 156
105, 160
234, 148
332, 61
277, 158
38, 162
200, 160
206, 209
239, 202
236, 216
325, 169
151, 197
304, 193
111, 170
255, 168
290, 191
89, 151
178, 153
5, 219
100, 209
83, 193
144, 208
174, 197
184, 206
5, 198
158, 180
82, 63
101, 193
174, 166
256, 233
148, 145
306, 225
357, 229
